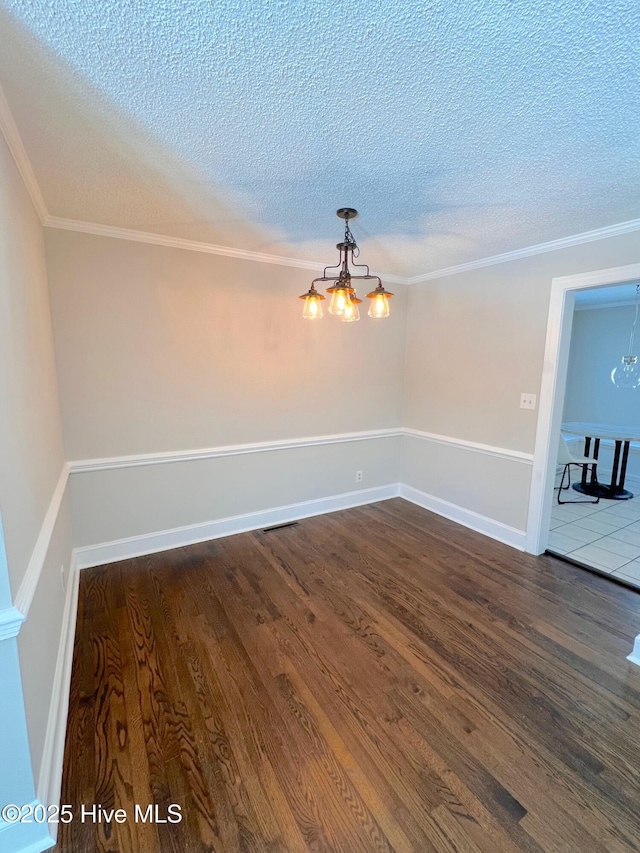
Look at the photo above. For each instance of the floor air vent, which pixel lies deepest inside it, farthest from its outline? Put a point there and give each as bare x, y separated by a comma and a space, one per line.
279, 526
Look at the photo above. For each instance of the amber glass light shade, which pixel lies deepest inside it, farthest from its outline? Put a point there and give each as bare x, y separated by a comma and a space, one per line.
379, 306
351, 313
312, 308
339, 299
312, 304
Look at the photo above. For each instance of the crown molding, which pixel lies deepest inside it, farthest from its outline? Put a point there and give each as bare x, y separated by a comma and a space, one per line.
12, 136
592, 305
175, 242
538, 249
191, 245
261, 257
17, 149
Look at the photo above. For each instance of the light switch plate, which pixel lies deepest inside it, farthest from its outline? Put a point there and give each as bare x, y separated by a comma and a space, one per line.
527, 401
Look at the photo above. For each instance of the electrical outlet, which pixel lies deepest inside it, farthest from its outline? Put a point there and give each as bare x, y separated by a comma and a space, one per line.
64, 586
527, 401
359, 476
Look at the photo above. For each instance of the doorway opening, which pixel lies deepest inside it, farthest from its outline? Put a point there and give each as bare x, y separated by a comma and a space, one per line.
584, 407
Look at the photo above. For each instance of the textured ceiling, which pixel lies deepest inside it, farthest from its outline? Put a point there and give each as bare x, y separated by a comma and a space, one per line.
458, 129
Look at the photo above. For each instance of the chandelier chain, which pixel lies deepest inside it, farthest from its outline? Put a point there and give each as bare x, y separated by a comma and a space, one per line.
635, 321
349, 238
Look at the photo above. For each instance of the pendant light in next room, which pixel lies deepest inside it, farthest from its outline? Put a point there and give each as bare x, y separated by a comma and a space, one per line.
627, 373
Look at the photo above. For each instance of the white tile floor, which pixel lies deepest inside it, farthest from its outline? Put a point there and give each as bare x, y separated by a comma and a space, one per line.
605, 535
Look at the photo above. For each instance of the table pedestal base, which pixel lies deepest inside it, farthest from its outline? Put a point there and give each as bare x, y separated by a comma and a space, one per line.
598, 490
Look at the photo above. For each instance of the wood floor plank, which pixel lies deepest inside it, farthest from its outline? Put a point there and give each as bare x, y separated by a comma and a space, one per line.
79, 776
147, 839
378, 679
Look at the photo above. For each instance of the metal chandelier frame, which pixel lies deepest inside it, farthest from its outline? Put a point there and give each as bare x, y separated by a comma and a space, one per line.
348, 251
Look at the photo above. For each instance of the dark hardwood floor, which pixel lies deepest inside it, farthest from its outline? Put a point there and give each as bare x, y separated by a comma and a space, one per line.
378, 679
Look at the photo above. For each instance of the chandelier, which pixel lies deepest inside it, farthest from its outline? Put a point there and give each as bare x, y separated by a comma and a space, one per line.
344, 301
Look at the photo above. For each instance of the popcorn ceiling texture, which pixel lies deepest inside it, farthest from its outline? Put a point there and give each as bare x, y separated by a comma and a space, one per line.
458, 129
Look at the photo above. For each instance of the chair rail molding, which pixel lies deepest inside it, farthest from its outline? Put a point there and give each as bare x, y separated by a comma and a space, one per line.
79, 466
31, 577
11, 620
165, 457
464, 444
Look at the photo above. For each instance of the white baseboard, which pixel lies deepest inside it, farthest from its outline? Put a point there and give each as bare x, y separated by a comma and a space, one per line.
488, 526
50, 779
634, 657
26, 837
164, 540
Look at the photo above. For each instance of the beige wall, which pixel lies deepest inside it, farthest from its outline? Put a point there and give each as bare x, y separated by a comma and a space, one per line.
475, 342
163, 349
599, 339
31, 461
39, 637
167, 349
123, 502
31, 449
478, 482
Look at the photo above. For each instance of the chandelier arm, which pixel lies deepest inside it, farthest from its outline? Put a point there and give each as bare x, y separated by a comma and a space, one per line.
367, 278
363, 266
331, 267
326, 278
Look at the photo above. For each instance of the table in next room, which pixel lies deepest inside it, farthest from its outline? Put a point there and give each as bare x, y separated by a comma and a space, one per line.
622, 437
